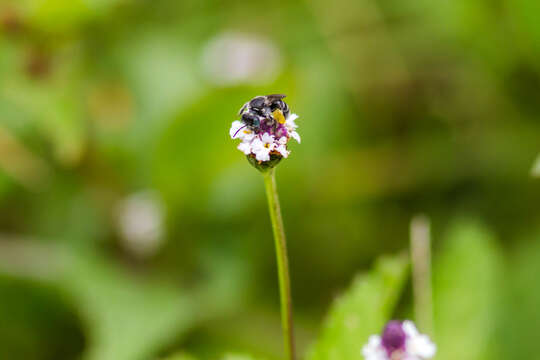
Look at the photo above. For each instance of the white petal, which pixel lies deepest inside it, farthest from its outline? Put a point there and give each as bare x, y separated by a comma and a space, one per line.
292, 118
409, 328
246, 134
373, 349
263, 154
374, 341
295, 136
290, 123
235, 126
245, 147
421, 346
282, 149
282, 140
411, 357
257, 144
267, 138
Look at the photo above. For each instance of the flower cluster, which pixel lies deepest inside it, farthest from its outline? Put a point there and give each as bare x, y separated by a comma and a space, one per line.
399, 341
269, 140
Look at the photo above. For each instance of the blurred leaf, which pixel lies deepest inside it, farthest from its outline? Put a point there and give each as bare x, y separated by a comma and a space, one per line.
159, 68
523, 15
37, 322
127, 318
69, 15
179, 356
20, 162
466, 288
361, 311
535, 171
65, 126
51, 106
519, 335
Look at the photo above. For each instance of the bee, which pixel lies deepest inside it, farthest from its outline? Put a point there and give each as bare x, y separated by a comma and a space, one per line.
264, 112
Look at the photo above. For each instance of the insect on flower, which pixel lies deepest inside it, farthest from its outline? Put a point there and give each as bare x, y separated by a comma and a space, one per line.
264, 111
399, 341
265, 127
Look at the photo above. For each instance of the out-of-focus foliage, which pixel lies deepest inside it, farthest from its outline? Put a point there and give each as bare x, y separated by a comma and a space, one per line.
180, 356
405, 107
237, 357
521, 316
361, 311
536, 168
468, 293
125, 318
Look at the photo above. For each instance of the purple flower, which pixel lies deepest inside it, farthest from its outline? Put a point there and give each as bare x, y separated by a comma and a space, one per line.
399, 341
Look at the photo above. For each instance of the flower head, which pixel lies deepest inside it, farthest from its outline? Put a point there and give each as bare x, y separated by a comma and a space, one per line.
399, 341
265, 128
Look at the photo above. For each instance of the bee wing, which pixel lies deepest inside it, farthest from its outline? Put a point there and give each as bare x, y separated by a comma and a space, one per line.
274, 97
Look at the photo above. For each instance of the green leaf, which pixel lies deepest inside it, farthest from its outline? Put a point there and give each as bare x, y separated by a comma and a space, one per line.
535, 171
127, 318
180, 356
361, 311
522, 17
519, 334
68, 15
467, 279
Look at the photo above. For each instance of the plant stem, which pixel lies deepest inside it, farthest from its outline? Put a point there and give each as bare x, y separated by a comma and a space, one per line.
282, 263
421, 273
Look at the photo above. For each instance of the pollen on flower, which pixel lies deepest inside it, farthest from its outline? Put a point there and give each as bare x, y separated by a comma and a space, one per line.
399, 341
265, 128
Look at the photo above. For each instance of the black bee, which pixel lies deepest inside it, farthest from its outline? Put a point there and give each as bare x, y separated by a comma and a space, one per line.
264, 112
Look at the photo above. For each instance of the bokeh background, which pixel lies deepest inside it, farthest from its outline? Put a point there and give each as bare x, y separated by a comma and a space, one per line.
131, 227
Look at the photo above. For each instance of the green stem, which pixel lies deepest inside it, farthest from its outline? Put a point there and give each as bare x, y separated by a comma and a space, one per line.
421, 273
282, 263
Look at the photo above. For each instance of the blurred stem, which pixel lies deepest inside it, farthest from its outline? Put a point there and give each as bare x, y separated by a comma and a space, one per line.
421, 273
282, 262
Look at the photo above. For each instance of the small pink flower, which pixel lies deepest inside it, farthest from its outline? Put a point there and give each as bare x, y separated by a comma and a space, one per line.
399, 341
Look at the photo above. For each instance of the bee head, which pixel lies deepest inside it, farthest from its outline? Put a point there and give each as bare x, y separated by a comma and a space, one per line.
251, 120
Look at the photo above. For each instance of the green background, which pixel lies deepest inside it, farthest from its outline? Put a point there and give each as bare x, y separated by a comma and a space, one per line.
406, 107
